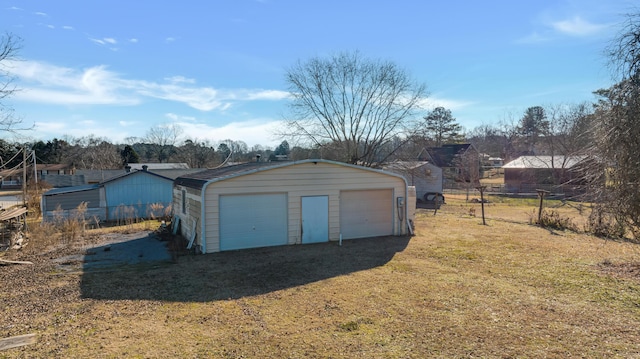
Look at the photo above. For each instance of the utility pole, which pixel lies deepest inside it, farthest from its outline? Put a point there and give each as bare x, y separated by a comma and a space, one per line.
481, 189
24, 176
35, 168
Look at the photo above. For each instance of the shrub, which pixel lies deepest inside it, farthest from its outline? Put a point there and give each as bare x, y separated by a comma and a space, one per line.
604, 224
553, 219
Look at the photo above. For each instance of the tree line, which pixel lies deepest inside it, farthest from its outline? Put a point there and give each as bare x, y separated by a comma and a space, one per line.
91, 152
555, 130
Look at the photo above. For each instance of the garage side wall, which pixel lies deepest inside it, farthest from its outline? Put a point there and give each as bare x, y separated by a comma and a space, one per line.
187, 206
296, 181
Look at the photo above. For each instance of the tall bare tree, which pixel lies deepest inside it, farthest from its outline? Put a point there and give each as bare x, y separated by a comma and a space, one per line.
617, 129
163, 139
10, 45
351, 105
90, 152
567, 131
197, 153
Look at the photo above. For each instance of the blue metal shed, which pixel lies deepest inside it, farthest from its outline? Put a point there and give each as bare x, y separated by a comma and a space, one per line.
139, 194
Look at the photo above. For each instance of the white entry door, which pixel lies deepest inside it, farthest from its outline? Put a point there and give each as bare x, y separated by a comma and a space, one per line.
315, 219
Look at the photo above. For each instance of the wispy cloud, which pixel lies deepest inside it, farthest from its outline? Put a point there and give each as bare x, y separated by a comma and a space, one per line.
176, 118
577, 26
550, 27
251, 132
45, 83
133, 40
67, 27
127, 123
43, 14
50, 84
104, 41
450, 104
180, 80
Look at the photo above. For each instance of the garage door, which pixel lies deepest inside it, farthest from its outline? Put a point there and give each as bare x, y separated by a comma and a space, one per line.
367, 213
251, 221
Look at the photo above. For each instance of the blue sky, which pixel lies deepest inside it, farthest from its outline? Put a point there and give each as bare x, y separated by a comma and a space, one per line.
216, 68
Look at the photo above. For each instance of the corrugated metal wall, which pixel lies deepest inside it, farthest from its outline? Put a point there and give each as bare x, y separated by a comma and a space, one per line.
132, 196
71, 200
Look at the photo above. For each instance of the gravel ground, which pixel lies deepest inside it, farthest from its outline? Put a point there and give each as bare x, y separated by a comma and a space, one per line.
54, 279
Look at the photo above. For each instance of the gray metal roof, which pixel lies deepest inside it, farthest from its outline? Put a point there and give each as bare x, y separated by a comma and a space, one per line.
159, 166
115, 178
545, 162
94, 176
198, 179
87, 187
175, 173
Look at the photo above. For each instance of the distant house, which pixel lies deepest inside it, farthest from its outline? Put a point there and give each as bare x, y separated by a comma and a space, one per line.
496, 162
527, 173
13, 178
459, 162
425, 176
59, 181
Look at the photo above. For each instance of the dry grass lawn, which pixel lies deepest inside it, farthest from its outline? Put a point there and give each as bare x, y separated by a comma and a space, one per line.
457, 289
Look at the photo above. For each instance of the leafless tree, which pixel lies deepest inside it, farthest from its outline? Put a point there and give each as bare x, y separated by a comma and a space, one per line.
616, 173
10, 45
567, 132
163, 139
91, 152
624, 49
351, 105
197, 153
501, 139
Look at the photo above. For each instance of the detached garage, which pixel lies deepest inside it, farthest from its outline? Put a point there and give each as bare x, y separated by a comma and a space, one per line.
262, 204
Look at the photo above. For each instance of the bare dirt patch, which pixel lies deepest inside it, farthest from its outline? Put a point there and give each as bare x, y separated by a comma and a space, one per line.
625, 270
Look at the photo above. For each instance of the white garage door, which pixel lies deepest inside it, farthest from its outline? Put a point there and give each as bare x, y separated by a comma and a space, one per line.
251, 221
367, 213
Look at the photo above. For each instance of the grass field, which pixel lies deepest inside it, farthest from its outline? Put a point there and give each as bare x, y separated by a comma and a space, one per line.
457, 289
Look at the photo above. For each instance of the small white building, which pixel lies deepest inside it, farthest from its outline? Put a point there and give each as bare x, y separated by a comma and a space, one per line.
496, 162
425, 176
261, 204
